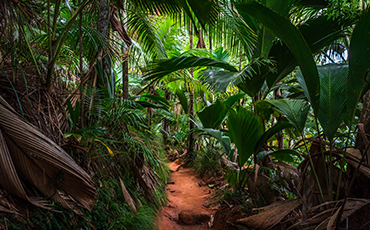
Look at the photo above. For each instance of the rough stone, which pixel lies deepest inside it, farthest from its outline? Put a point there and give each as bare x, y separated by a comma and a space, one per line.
190, 217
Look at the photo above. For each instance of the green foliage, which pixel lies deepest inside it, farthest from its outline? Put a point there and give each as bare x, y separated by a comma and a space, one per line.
358, 62
333, 81
212, 116
207, 161
291, 36
245, 129
164, 67
295, 111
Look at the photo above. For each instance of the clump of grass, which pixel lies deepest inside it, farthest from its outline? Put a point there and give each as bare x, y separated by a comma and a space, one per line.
207, 162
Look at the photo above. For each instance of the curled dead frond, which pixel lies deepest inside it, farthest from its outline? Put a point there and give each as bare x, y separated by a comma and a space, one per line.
26, 152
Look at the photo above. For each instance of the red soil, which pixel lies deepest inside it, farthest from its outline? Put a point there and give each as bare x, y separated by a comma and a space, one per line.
184, 194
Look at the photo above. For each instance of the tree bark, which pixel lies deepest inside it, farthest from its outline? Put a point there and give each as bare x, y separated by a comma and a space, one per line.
125, 84
280, 137
365, 120
103, 20
190, 154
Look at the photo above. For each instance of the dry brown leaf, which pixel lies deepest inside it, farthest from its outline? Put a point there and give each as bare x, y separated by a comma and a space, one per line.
351, 206
271, 215
34, 153
130, 202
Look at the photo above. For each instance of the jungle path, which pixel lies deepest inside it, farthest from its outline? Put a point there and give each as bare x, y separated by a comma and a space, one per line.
184, 194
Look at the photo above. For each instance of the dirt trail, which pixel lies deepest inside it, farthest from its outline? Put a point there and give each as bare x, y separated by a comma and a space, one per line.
184, 194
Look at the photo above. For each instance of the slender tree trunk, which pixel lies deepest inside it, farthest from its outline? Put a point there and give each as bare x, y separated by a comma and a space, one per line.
191, 155
125, 84
165, 122
103, 20
103, 27
365, 120
82, 115
280, 137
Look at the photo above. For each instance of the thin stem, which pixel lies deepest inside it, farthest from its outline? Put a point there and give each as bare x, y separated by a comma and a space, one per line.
322, 153
342, 161
352, 182
313, 168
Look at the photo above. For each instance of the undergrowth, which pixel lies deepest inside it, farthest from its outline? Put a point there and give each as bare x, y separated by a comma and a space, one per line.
207, 162
110, 212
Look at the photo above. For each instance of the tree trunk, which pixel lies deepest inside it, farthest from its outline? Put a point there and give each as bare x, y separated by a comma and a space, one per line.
190, 154
103, 20
125, 84
365, 120
279, 136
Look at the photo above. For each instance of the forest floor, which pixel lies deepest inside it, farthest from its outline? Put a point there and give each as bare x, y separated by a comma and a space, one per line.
185, 191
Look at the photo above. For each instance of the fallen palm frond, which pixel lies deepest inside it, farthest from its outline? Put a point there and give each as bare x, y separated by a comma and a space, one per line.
327, 219
271, 215
26, 152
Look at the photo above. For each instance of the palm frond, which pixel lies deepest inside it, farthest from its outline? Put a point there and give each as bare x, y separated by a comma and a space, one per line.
39, 154
162, 68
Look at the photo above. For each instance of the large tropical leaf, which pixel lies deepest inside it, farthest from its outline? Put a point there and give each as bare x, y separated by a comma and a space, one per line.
147, 33
333, 82
245, 129
27, 152
250, 79
290, 35
318, 33
270, 132
359, 59
213, 115
295, 111
222, 139
204, 11
284, 155
183, 100
165, 67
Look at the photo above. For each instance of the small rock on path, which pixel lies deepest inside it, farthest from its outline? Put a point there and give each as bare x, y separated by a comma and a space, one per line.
188, 199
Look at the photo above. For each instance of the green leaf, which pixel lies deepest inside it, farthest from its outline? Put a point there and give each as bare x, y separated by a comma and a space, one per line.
333, 81
270, 132
290, 35
284, 155
359, 60
295, 111
318, 32
224, 140
157, 99
164, 67
245, 129
213, 115
263, 109
234, 98
183, 100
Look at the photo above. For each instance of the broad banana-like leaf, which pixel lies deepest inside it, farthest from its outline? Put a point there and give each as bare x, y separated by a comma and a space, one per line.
212, 116
26, 151
245, 129
295, 111
290, 35
359, 59
332, 109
